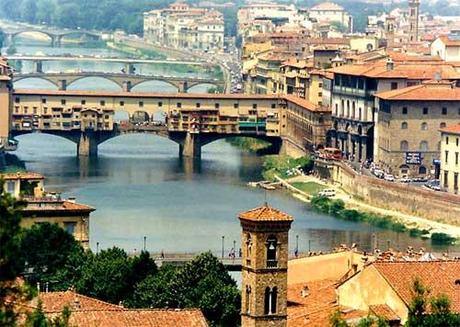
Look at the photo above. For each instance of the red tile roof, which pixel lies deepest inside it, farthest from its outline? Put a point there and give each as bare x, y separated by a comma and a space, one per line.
453, 129
265, 213
449, 42
441, 277
87, 311
384, 311
423, 92
52, 205
21, 175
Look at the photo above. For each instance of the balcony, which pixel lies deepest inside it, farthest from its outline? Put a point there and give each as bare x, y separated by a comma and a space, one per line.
272, 263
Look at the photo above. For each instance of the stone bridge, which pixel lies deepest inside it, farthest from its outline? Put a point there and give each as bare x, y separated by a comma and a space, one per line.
125, 81
55, 36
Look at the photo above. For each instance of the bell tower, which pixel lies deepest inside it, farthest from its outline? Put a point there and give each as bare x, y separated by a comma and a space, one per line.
414, 13
264, 244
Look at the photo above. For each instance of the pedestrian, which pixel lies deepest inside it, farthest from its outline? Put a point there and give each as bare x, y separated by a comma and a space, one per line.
296, 252
162, 254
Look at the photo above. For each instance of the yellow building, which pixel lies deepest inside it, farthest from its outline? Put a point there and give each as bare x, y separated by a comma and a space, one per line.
386, 286
450, 158
43, 207
5, 103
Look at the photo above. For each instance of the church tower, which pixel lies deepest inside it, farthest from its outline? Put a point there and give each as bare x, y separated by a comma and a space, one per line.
390, 23
414, 13
264, 244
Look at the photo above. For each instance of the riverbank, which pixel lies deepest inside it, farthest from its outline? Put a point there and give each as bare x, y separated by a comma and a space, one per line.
409, 221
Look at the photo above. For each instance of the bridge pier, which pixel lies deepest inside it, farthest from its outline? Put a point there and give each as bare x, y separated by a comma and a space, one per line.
191, 146
62, 85
38, 66
56, 41
130, 69
87, 145
127, 86
183, 87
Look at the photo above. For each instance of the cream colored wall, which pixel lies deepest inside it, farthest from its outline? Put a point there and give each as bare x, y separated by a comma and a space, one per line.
5, 113
452, 165
360, 44
328, 266
370, 288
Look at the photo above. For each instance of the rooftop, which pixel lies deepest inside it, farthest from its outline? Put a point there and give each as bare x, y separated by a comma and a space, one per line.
55, 205
87, 311
21, 176
453, 129
450, 42
265, 213
439, 91
327, 6
442, 277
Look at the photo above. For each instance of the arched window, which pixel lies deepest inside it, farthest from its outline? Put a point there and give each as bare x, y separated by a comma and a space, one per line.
360, 129
248, 299
342, 108
360, 113
270, 300
404, 125
272, 244
353, 110
404, 146
422, 170
248, 248
424, 126
348, 108
442, 125
423, 146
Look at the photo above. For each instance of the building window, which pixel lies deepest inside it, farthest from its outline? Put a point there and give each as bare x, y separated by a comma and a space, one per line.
455, 181
83, 102
446, 156
422, 170
217, 105
394, 85
447, 139
442, 125
423, 146
404, 125
272, 244
179, 105
254, 106
235, 105
404, 110
10, 187
141, 104
270, 303
63, 101
404, 146
424, 126
444, 111
446, 178
102, 103
122, 103
336, 109
44, 101
425, 111
248, 299
198, 105
360, 113
160, 104
456, 158
70, 227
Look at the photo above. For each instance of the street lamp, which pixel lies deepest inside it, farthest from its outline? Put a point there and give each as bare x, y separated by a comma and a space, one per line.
309, 245
97, 247
223, 240
145, 241
296, 245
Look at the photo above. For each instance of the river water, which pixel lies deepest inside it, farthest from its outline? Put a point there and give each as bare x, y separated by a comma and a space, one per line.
141, 188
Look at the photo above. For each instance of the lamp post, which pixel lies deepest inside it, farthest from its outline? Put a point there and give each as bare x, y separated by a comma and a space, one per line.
223, 240
309, 245
145, 241
97, 247
296, 246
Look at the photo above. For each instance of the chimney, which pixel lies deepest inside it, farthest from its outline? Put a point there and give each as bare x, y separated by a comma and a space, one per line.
390, 64
305, 291
76, 303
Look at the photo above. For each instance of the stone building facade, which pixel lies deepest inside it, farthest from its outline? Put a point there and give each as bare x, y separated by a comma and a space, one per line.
407, 122
264, 267
450, 158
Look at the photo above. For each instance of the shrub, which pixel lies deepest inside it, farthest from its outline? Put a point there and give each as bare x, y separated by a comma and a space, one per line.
442, 239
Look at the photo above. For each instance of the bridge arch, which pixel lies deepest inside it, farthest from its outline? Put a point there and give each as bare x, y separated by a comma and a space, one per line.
50, 36
92, 36
201, 87
50, 83
156, 83
72, 83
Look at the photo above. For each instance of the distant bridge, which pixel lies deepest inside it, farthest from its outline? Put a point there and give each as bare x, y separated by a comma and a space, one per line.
55, 35
41, 59
125, 81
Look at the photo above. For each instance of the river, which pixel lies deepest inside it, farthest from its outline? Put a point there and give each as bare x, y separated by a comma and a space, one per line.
140, 189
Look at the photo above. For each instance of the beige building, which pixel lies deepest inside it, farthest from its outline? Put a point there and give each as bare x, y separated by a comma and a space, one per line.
447, 47
450, 158
48, 207
5, 104
407, 122
181, 26
329, 12
386, 286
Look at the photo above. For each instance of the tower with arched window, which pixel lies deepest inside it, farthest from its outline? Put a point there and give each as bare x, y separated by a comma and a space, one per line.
264, 244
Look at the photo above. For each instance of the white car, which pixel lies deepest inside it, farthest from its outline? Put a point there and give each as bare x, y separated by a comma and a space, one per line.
327, 193
389, 178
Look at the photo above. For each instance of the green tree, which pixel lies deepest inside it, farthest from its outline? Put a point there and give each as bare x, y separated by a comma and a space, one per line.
10, 266
38, 319
57, 249
105, 275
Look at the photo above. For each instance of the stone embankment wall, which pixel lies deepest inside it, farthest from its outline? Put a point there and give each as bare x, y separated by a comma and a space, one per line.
412, 200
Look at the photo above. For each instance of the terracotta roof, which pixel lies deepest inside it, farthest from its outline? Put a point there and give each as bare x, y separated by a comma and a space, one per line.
21, 175
449, 42
47, 205
303, 103
453, 129
441, 277
413, 70
265, 213
87, 311
423, 92
384, 311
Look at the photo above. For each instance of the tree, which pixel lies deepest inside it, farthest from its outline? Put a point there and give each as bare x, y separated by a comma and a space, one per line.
10, 266
57, 249
105, 275
38, 319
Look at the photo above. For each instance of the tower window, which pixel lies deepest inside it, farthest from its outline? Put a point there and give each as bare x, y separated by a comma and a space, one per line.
248, 299
271, 300
248, 249
272, 244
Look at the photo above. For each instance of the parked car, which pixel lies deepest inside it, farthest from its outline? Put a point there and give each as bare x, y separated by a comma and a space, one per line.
389, 177
327, 193
378, 173
405, 180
